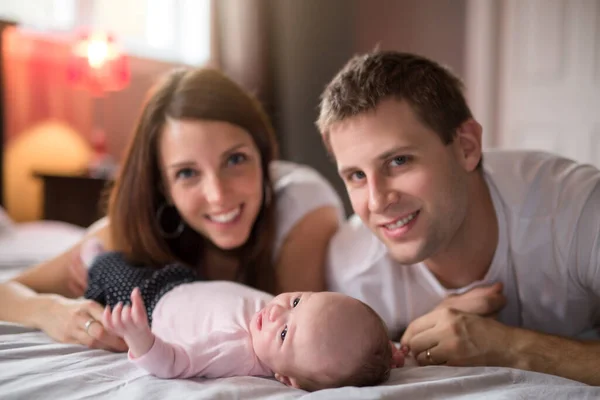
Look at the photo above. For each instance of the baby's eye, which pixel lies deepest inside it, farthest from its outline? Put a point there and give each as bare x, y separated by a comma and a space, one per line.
283, 333
296, 301
185, 173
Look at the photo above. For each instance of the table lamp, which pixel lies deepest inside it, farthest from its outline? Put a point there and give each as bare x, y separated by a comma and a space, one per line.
98, 66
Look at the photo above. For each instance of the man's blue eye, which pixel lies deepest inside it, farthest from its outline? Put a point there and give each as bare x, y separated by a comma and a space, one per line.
236, 159
356, 176
283, 333
296, 301
400, 160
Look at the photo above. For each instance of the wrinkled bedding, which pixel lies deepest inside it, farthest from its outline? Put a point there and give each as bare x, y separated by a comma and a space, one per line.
32, 366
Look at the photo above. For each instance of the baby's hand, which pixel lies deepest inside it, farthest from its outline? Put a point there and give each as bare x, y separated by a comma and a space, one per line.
398, 355
131, 323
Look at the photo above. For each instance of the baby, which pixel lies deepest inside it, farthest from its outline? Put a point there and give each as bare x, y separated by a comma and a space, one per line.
215, 329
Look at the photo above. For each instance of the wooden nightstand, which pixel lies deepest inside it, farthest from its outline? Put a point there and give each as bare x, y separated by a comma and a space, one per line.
72, 198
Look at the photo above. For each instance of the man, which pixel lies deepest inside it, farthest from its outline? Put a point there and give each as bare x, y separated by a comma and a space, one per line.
446, 220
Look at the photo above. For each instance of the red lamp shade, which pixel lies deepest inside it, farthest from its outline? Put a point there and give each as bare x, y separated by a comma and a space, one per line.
97, 64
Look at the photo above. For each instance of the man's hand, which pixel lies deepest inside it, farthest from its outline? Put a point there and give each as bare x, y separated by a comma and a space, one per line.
131, 323
452, 337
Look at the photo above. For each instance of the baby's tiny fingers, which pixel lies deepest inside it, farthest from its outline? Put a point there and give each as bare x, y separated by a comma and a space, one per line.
139, 316
106, 318
116, 316
126, 316
137, 302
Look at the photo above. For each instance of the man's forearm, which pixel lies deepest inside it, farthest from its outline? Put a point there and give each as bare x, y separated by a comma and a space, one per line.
568, 358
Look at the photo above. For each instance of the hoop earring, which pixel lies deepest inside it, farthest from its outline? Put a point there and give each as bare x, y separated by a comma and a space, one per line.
163, 233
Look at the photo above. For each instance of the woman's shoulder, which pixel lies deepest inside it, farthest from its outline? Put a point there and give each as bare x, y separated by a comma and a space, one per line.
287, 173
299, 190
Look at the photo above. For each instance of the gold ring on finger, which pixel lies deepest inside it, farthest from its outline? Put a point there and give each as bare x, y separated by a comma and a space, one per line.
428, 357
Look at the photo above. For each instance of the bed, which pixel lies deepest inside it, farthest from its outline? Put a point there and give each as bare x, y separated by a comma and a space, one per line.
28, 243
33, 366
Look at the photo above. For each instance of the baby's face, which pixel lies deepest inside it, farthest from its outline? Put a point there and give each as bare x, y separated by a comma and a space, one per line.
298, 333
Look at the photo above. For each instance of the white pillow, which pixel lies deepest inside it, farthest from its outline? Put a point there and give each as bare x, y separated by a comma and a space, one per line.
30, 243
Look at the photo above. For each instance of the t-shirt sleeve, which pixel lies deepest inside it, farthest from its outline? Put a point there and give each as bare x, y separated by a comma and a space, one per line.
96, 226
587, 243
92, 247
298, 193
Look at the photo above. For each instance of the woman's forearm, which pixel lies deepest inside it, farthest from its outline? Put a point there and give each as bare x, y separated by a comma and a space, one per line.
22, 305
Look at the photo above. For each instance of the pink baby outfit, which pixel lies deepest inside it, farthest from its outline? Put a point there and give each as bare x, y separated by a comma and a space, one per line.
202, 329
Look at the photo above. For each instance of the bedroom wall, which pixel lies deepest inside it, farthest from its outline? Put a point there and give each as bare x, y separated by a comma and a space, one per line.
308, 41
312, 39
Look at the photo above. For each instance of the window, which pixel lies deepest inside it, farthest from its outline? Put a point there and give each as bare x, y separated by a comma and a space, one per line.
170, 30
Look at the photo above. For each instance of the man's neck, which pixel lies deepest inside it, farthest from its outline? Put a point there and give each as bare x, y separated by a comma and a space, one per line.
469, 255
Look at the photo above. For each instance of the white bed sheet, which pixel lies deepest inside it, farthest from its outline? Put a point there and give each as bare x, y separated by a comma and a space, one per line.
28, 243
32, 366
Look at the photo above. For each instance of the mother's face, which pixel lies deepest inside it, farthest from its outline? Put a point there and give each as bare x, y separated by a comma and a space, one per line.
212, 173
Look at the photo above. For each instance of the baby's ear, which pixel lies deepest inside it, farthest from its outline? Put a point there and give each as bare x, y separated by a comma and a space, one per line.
397, 356
286, 380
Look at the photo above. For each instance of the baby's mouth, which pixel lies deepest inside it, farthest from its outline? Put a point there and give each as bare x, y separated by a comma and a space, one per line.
259, 320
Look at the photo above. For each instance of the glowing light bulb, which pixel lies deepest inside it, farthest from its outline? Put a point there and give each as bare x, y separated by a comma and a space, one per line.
97, 51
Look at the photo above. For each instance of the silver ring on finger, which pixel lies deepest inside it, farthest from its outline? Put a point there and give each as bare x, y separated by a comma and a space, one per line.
87, 325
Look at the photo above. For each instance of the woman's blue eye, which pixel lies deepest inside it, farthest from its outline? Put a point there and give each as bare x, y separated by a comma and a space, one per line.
283, 333
236, 159
400, 160
295, 302
185, 173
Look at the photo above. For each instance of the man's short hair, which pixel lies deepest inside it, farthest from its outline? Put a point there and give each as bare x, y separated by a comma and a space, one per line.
434, 93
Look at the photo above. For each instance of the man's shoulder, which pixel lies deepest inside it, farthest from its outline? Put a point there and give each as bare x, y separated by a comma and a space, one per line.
528, 165
538, 182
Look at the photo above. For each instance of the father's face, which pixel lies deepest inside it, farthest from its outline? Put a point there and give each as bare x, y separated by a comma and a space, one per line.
406, 185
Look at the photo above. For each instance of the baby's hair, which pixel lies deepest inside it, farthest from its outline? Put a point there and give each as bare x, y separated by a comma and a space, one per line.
374, 368
371, 369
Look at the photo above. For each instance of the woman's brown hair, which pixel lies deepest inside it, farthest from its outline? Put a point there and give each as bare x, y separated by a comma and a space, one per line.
196, 94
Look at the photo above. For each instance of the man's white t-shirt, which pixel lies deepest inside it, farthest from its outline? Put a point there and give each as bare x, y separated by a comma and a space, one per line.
548, 253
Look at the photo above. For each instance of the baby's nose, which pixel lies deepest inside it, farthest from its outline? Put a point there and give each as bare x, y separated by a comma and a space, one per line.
275, 312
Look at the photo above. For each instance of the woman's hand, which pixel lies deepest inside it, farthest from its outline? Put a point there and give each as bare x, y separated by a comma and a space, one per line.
484, 300
79, 321
131, 323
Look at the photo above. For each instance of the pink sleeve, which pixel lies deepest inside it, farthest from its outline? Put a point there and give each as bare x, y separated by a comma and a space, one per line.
165, 360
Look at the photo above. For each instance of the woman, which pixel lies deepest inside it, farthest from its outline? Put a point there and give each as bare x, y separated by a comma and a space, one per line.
199, 185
